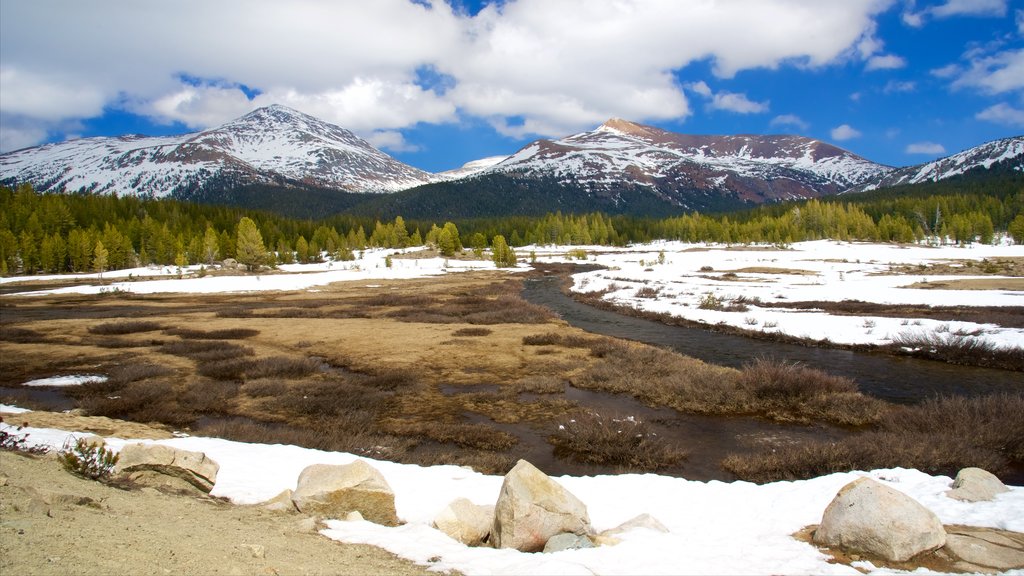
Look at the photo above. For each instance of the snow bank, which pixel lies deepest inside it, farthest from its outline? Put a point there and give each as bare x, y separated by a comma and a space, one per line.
714, 527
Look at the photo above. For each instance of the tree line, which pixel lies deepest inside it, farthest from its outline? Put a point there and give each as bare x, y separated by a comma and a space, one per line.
58, 233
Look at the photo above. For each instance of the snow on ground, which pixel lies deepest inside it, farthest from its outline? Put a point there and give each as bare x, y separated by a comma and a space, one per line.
806, 271
72, 380
823, 270
714, 527
372, 265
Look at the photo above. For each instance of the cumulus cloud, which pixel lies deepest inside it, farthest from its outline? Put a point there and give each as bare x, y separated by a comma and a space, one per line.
390, 140
524, 66
1002, 113
738, 103
789, 120
885, 62
929, 148
952, 8
844, 132
995, 74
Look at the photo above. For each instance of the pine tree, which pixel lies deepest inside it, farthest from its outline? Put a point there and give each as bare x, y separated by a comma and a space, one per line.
501, 254
211, 246
249, 248
100, 254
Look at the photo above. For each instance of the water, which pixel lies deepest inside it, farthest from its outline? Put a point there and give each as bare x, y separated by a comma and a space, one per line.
891, 378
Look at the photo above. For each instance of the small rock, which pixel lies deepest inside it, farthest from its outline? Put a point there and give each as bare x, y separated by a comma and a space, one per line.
567, 541
3, 480
257, 550
642, 521
466, 522
311, 524
605, 540
867, 516
976, 485
281, 503
354, 516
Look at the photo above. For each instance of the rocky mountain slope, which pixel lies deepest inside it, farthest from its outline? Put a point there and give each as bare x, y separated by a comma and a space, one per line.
1007, 152
272, 145
682, 168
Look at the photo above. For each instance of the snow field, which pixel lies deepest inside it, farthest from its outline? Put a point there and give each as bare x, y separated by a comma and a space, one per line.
714, 527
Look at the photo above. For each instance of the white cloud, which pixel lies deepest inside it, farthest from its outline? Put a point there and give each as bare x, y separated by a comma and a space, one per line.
525, 66
894, 86
791, 120
1020, 22
995, 74
947, 71
844, 132
969, 8
16, 134
953, 8
929, 148
1002, 113
701, 88
738, 103
885, 62
390, 140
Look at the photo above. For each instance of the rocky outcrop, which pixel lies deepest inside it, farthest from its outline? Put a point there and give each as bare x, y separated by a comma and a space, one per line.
335, 490
984, 549
645, 521
866, 516
567, 541
466, 522
147, 463
532, 508
976, 485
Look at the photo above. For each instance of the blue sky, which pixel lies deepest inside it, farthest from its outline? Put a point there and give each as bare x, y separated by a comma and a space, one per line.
437, 84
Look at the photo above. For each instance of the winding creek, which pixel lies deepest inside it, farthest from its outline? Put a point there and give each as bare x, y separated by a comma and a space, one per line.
891, 378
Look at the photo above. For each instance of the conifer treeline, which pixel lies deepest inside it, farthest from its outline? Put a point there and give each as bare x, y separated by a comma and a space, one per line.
67, 232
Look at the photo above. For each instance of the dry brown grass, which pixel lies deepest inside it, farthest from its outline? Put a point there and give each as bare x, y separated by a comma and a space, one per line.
939, 436
622, 442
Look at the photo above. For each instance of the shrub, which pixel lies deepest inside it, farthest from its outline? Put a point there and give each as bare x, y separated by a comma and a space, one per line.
473, 332
710, 302
224, 334
625, 442
121, 327
20, 335
13, 441
647, 292
206, 350
87, 460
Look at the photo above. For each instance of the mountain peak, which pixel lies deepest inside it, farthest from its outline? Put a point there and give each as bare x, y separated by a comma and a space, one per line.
624, 126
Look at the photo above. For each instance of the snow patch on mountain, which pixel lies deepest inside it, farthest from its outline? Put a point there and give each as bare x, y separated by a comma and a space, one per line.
267, 145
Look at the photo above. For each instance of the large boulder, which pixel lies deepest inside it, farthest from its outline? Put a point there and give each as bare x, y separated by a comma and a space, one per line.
976, 485
532, 508
335, 490
466, 522
867, 516
144, 462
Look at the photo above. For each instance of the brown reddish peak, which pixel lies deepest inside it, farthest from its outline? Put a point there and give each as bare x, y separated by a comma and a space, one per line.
627, 127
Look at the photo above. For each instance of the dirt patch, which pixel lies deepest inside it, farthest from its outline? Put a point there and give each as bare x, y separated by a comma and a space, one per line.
1015, 284
56, 523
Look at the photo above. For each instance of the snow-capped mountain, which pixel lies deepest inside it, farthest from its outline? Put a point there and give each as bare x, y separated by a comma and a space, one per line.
1005, 151
272, 145
679, 167
470, 168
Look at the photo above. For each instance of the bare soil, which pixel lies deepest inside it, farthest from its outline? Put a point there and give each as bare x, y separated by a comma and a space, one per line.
54, 523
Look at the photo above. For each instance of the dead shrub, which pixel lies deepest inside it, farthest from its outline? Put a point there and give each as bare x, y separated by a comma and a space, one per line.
555, 339
647, 292
224, 334
482, 461
118, 343
264, 387
469, 332
477, 436
320, 437
391, 380
126, 373
959, 348
121, 327
779, 381
211, 396
282, 367
938, 436
206, 350
153, 400
623, 442
19, 335
231, 368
